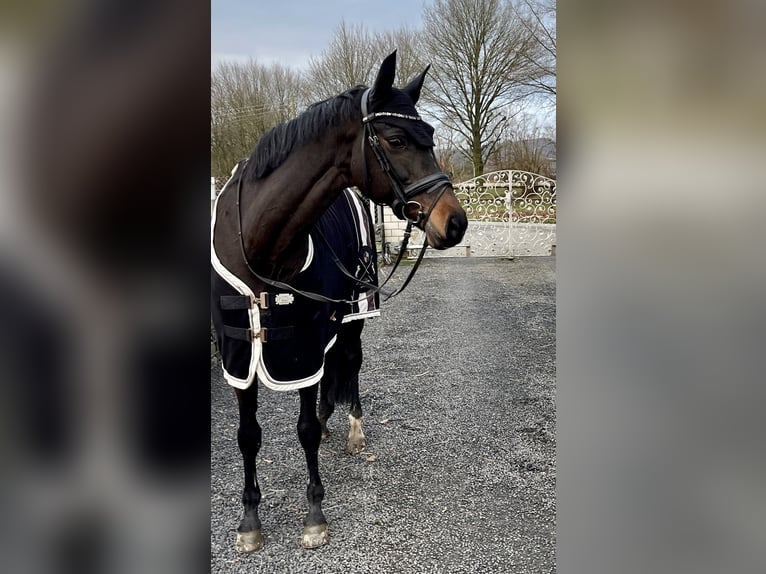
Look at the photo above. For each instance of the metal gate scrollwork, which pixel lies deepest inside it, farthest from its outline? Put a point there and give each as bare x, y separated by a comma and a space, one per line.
510, 213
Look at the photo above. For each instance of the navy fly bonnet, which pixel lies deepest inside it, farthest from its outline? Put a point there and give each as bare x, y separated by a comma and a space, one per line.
398, 105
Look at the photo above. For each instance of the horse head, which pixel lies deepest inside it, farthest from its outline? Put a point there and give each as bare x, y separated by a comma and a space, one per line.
398, 166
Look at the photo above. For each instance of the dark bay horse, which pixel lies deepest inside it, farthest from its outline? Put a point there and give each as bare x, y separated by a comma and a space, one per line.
271, 224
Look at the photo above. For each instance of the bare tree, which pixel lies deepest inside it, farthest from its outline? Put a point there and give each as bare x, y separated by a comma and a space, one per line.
480, 50
409, 52
247, 100
530, 146
539, 17
449, 155
353, 57
348, 60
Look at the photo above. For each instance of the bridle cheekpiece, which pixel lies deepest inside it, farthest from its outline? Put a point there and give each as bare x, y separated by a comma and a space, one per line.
402, 195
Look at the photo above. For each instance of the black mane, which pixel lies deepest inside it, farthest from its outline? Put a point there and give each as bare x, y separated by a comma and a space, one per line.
278, 143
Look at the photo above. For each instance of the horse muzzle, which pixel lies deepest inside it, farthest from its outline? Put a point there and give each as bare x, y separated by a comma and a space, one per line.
447, 225
430, 204
405, 206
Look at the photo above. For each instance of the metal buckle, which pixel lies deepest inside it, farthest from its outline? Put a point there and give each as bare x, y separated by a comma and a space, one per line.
261, 334
263, 300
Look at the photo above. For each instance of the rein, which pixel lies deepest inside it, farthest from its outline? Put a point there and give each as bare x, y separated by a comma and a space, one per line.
402, 199
402, 249
274, 283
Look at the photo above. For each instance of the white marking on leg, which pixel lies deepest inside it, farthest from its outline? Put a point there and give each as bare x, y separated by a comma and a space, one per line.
356, 438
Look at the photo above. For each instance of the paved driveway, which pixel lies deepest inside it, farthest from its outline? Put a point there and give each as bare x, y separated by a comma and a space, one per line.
458, 389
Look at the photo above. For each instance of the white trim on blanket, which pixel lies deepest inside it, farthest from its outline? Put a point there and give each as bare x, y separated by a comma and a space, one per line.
360, 315
252, 312
276, 385
361, 216
309, 256
256, 365
256, 359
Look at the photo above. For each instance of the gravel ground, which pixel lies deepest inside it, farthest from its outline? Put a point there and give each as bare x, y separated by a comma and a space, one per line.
458, 392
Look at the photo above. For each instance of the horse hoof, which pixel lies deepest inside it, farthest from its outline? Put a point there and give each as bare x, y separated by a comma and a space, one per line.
355, 447
315, 536
249, 541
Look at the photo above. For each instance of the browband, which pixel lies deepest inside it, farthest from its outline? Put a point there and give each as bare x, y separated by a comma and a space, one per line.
373, 116
377, 115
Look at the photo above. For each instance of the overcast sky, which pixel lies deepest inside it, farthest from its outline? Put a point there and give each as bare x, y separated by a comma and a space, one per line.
290, 31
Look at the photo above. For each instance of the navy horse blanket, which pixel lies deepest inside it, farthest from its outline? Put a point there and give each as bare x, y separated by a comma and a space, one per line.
279, 335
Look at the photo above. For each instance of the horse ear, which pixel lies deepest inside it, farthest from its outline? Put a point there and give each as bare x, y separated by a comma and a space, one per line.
385, 80
413, 88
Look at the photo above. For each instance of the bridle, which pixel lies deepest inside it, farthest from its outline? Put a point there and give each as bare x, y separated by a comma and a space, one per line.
402, 195
402, 198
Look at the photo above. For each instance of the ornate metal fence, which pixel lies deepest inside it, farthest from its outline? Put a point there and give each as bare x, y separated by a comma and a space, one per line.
510, 213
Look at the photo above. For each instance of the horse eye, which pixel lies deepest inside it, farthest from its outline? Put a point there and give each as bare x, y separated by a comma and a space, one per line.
397, 142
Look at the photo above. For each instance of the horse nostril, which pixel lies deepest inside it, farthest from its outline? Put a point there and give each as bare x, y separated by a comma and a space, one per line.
456, 226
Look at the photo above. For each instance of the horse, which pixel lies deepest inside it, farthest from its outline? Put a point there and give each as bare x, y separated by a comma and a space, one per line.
281, 213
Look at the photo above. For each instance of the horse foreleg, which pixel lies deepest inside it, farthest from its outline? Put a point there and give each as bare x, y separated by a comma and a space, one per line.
315, 531
249, 537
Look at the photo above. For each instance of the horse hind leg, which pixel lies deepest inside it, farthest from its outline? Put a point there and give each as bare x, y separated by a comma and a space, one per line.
340, 383
356, 442
315, 530
352, 364
249, 536
327, 388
